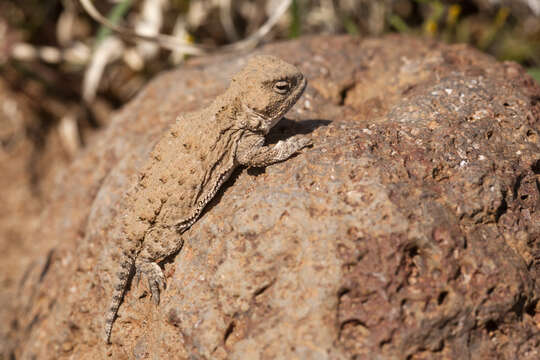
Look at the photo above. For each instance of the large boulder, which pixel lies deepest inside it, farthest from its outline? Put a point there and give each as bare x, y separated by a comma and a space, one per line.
409, 230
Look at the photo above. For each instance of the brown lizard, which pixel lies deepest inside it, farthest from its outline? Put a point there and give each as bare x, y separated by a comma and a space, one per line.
191, 161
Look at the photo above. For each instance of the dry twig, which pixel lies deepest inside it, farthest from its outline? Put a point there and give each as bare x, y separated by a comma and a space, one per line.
176, 44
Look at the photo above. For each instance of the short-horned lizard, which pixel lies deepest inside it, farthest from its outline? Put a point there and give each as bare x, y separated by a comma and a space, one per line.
191, 161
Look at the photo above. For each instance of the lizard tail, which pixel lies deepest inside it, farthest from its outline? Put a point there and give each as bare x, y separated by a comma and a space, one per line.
118, 294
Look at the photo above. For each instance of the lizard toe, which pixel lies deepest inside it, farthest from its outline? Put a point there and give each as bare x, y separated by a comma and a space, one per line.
154, 276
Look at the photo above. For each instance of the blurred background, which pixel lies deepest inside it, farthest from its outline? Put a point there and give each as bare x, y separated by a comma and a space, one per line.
62, 73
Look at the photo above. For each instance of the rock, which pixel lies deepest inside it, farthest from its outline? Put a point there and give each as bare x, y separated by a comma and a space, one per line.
410, 229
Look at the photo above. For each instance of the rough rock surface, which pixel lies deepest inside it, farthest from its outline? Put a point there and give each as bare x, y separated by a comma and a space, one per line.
410, 230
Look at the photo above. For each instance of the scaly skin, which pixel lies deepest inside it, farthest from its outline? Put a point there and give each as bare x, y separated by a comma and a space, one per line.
193, 159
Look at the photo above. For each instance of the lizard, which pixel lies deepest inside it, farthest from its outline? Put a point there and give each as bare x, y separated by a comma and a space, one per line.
191, 161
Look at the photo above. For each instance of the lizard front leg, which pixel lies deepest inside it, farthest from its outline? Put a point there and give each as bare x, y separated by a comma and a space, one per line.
251, 151
159, 243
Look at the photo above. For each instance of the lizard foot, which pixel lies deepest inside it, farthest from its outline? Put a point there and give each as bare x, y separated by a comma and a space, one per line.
155, 277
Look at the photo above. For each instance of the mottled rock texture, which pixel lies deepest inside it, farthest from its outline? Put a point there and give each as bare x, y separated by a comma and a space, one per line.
409, 231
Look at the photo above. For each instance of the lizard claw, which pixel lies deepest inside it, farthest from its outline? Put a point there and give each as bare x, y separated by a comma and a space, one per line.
137, 276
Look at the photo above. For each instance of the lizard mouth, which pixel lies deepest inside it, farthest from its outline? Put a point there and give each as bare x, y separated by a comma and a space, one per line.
303, 84
297, 93
300, 89
265, 123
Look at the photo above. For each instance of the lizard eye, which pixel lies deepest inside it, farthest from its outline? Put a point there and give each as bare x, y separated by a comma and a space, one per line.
282, 87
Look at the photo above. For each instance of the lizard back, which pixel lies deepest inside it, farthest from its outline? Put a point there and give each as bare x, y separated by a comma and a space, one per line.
184, 170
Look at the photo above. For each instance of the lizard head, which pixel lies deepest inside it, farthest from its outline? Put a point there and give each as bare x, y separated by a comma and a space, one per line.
267, 88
